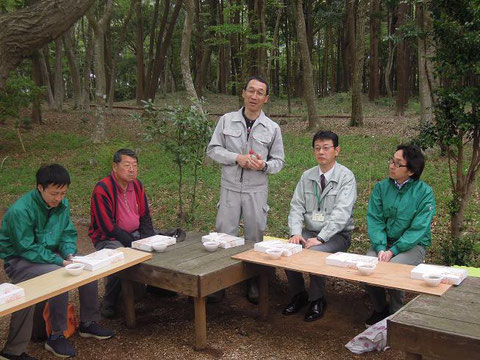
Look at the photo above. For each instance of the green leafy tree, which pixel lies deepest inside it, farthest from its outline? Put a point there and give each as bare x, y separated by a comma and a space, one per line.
456, 127
18, 92
184, 132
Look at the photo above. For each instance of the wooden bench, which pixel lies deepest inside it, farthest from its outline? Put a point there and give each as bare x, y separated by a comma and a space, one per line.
187, 268
46, 286
446, 327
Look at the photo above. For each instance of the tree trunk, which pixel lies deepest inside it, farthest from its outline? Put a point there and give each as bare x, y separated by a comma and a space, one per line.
348, 44
403, 57
360, 7
374, 86
59, 90
289, 65
116, 53
235, 40
308, 89
74, 72
205, 61
185, 50
30, 28
45, 78
152, 41
139, 92
222, 55
274, 51
427, 84
87, 71
37, 79
163, 43
99, 29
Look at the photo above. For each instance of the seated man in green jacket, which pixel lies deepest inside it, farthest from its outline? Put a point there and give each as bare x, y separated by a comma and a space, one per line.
37, 236
400, 212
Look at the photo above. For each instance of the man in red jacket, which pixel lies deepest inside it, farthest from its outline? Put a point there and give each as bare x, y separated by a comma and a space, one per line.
119, 215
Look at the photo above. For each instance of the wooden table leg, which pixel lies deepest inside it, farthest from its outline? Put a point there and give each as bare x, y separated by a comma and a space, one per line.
412, 356
129, 303
200, 323
263, 294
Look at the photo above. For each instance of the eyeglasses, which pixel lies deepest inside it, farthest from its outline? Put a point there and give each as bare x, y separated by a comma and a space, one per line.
395, 164
324, 148
129, 166
252, 91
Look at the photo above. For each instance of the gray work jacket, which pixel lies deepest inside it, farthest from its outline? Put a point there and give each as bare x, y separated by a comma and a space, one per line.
230, 140
336, 202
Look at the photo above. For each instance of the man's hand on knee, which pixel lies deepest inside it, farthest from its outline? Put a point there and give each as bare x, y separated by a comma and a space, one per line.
312, 242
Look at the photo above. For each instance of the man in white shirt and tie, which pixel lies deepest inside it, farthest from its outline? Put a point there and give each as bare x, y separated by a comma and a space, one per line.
321, 218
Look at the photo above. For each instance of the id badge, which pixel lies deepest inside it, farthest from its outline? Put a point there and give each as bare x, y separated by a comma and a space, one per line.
318, 216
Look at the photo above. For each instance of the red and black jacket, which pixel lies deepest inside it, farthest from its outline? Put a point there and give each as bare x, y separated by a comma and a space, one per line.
103, 213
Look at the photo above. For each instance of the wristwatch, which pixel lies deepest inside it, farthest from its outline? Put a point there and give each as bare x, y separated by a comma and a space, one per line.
265, 167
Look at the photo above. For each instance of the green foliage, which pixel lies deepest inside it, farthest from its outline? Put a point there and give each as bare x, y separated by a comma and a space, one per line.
18, 92
183, 132
456, 32
459, 251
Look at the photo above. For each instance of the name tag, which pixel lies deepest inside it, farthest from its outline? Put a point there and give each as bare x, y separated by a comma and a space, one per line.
318, 216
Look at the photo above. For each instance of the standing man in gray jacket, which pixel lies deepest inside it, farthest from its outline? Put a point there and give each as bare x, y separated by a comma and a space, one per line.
320, 219
249, 146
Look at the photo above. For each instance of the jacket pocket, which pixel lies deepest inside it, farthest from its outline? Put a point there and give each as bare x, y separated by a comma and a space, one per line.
329, 201
310, 202
233, 140
261, 143
44, 237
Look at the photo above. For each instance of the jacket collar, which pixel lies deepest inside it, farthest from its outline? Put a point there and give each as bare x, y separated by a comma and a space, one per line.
404, 187
335, 176
262, 118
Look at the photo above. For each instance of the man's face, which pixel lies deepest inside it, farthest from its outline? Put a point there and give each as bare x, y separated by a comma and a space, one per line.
325, 153
398, 167
255, 95
53, 194
126, 170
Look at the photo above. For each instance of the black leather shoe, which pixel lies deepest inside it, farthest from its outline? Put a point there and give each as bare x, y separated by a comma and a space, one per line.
316, 309
252, 291
297, 302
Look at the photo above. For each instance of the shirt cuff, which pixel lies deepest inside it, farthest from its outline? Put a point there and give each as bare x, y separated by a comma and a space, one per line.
394, 250
379, 248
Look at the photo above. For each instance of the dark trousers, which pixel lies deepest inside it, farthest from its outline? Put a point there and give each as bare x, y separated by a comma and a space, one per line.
21, 322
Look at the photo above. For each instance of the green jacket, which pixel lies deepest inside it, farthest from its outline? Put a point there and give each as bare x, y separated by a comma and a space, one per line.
35, 232
401, 216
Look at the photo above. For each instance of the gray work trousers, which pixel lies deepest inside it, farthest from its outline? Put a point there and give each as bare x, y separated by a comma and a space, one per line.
113, 284
21, 322
296, 283
414, 256
252, 206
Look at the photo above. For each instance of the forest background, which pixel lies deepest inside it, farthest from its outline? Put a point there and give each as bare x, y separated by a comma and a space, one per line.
75, 78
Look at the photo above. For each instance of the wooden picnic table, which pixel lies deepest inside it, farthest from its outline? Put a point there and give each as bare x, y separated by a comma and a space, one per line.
56, 282
386, 274
446, 327
189, 269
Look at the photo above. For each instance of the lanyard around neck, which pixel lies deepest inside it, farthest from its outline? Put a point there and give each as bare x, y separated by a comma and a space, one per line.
317, 195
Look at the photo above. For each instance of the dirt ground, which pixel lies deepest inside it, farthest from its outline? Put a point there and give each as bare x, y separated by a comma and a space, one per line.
165, 327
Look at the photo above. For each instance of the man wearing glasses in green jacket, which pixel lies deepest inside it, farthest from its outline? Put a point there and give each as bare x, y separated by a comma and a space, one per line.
400, 212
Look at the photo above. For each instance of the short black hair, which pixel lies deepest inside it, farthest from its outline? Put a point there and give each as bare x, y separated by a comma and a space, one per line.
53, 174
117, 157
415, 160
325, 135
258, 78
